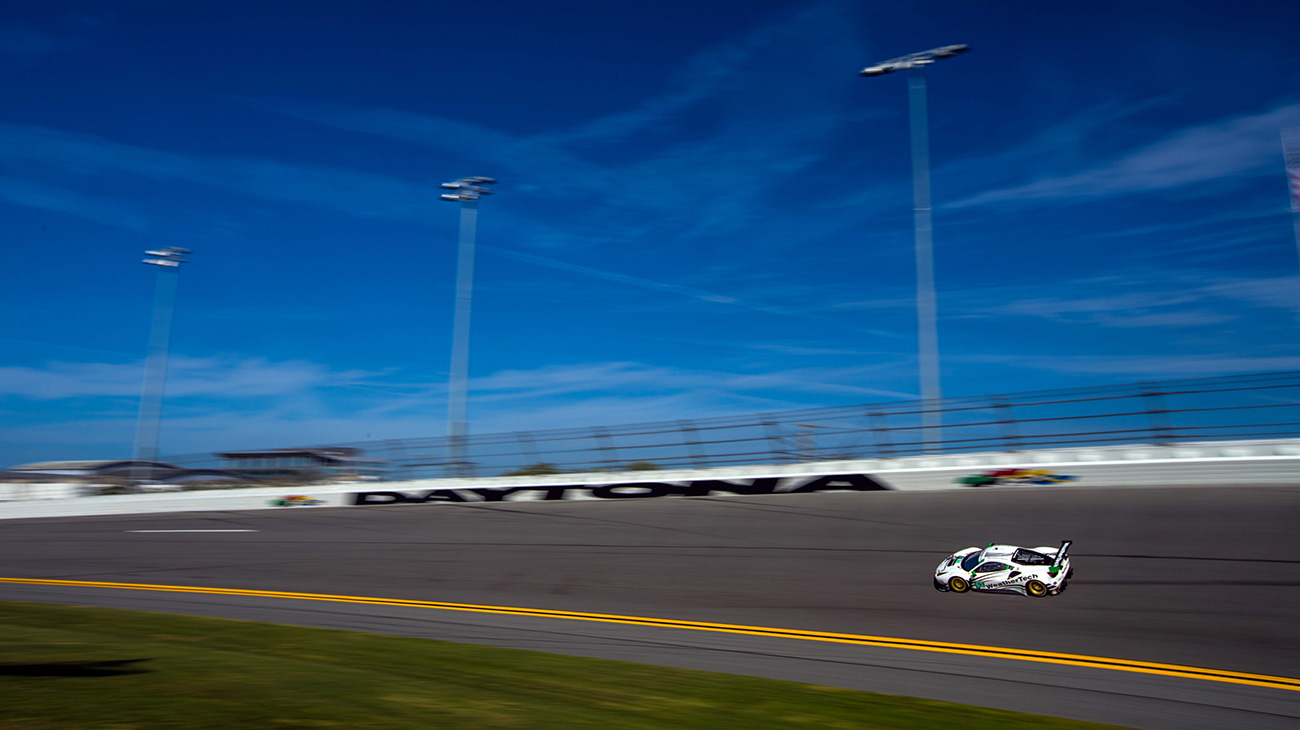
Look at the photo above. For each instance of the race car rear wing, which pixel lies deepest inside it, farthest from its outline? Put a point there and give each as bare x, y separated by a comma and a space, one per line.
1060, 557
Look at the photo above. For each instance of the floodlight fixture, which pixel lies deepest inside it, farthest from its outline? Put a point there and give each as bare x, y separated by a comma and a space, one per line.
172, 256
468, 188
914, 60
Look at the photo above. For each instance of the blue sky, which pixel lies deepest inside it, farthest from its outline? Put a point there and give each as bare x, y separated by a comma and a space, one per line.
702, 209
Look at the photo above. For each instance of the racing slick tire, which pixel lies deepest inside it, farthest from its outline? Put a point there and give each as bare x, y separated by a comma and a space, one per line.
1035, 588
958, 584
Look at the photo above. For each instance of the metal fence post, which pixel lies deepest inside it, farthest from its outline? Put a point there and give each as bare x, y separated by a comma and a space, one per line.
1162, 431
605, 445
690, 435
805, 441
396, 457
449, 467
1007, 422
777, 439
528, 448
880, 433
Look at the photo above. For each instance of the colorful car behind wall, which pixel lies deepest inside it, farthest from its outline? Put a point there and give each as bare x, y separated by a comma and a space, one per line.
1014, 476
297, 500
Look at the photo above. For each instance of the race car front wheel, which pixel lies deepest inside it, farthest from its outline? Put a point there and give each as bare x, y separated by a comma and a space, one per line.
958, 584
1036, 588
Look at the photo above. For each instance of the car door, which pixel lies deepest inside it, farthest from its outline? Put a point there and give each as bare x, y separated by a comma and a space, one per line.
990, 575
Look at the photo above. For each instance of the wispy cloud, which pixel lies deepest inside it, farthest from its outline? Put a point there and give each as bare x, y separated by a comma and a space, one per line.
715, 72
772, 115
678, 289
236, 378
245, 403
1177, 299
1132, 309
1281, 292
502, 152
894, 303
1210, 152
637, 281
603, 378
187, 376
1147, 366
32, 194
24, 42
803, 350
80, 159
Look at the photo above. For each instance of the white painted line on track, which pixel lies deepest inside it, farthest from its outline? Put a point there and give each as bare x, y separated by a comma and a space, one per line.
192, 531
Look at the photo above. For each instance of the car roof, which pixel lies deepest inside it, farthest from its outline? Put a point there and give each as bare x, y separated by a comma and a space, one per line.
998, 552
1001, 552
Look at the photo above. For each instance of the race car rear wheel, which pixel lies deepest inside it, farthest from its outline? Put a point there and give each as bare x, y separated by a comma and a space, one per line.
958, 584
1036, 588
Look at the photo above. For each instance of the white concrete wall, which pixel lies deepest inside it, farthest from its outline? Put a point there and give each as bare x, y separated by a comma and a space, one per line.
1235, 463
24, 490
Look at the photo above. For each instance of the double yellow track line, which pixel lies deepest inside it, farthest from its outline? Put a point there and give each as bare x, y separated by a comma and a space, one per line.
1026, 655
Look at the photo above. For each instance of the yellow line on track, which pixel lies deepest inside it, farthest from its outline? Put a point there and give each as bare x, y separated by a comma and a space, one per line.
1027, 655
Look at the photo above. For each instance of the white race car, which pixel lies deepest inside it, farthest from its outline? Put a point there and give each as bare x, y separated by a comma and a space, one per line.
1037, 572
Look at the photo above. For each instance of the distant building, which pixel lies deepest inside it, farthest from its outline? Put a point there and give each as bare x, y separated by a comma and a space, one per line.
42, 471
115, 472
334, 463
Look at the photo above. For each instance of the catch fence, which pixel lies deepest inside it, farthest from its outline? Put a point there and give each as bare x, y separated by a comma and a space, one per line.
1257, 406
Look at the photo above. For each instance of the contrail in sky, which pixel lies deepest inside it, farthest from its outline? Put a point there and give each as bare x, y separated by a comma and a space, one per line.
674, 288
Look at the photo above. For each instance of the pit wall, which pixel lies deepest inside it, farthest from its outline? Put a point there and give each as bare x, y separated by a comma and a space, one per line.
1235, 463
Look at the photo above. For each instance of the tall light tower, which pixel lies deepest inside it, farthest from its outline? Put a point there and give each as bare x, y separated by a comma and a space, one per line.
926, 327
168, 260
467, 192
1291, 156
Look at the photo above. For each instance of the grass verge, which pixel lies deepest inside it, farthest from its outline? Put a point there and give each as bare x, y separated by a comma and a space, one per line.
65, 667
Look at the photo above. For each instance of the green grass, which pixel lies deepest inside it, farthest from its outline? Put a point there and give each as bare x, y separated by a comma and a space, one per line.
64, 667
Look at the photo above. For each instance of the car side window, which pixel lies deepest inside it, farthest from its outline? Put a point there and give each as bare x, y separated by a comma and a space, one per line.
1029, 557
990, 567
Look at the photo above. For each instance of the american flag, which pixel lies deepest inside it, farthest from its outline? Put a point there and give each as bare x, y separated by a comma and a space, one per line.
1291, 151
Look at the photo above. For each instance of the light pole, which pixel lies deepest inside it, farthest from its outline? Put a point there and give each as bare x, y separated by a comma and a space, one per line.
1291, 156
926, 326
467, 192
168, 260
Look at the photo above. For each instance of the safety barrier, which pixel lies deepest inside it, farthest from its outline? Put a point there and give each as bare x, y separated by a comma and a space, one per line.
1228, 463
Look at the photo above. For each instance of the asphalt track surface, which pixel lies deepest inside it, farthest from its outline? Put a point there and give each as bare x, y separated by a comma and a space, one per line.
1194, 577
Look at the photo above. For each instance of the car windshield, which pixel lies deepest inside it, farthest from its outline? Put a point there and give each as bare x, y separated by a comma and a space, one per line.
970, 561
